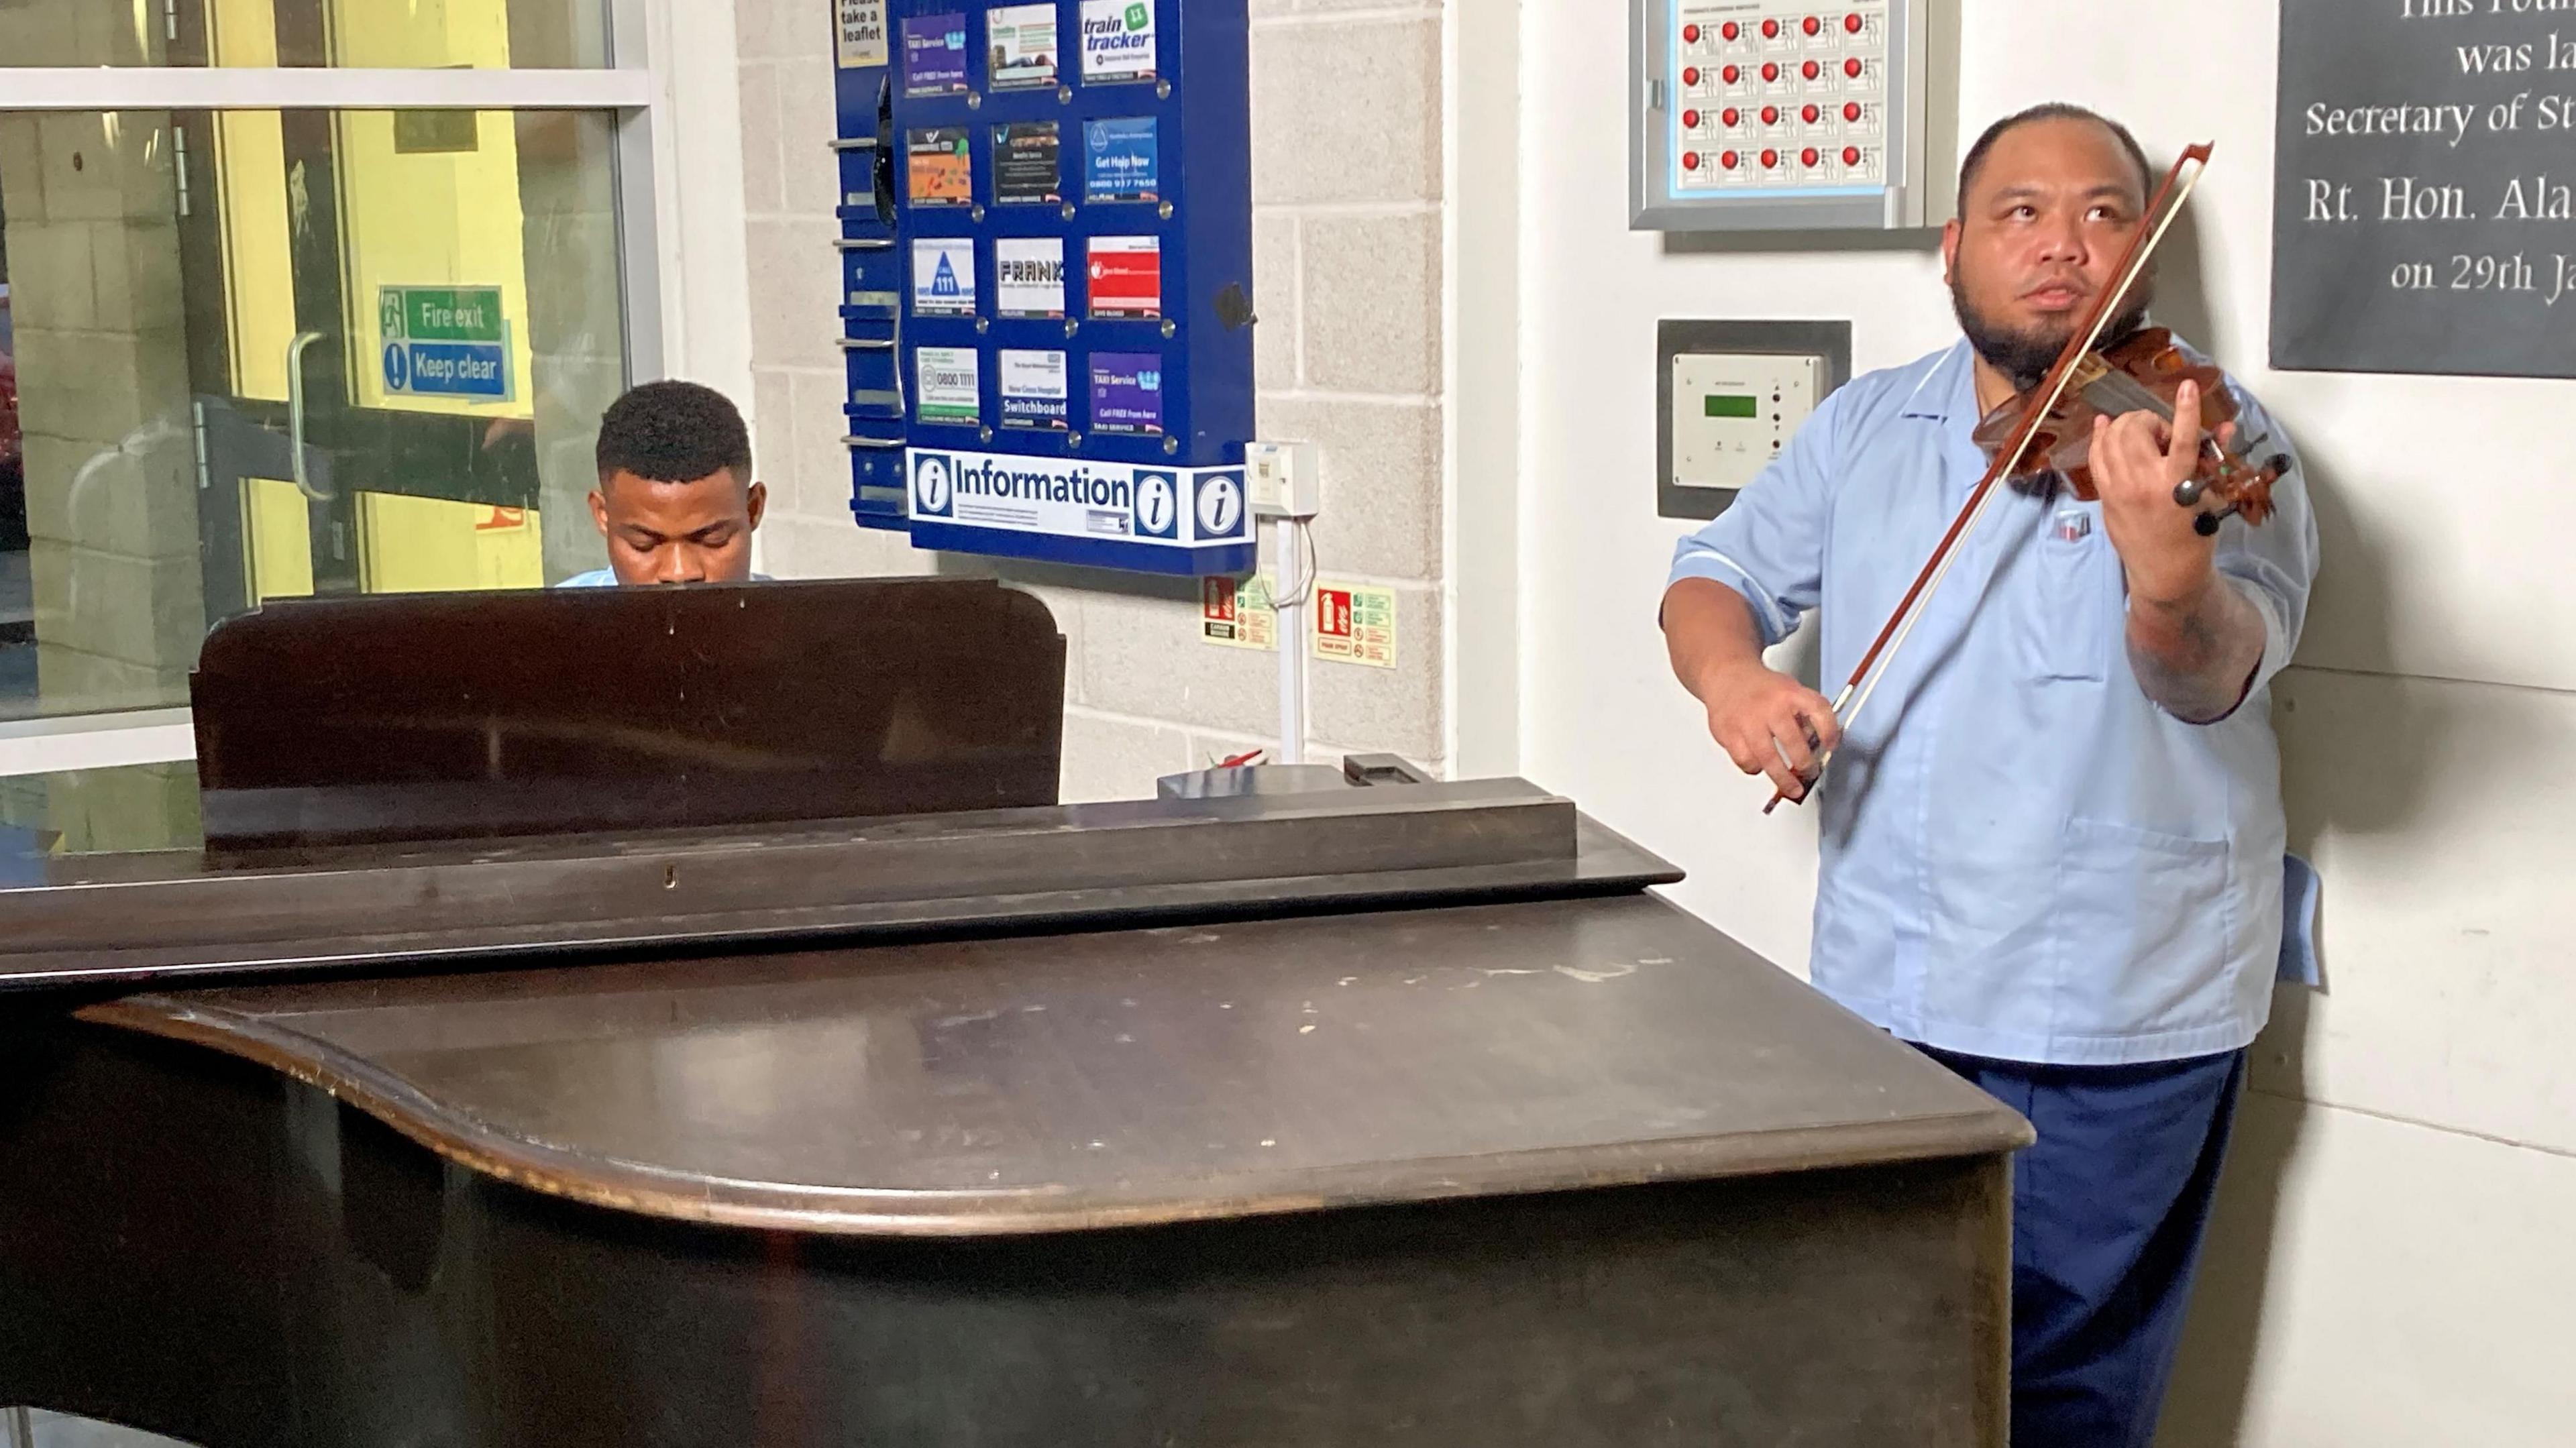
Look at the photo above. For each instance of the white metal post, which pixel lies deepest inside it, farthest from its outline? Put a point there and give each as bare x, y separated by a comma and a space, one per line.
1291, 596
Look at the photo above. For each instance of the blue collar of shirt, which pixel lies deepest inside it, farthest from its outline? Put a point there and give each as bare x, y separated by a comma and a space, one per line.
1947, 390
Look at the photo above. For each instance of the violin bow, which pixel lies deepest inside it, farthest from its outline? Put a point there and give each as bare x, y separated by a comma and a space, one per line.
1865, 676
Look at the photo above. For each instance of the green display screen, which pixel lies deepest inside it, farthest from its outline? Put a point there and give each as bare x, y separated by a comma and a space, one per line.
1731, 406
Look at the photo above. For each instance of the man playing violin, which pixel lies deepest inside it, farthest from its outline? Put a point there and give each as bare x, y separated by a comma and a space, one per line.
2052, 850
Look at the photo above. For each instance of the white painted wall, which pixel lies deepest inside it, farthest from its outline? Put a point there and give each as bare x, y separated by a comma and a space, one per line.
2392, 1264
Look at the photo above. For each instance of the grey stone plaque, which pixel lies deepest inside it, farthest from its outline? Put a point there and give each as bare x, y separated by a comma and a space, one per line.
2424, 175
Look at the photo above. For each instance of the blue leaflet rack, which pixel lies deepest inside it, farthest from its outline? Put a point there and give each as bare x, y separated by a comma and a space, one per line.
871, 272
1047, 277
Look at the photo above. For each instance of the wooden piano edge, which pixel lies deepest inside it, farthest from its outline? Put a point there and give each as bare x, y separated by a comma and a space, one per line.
649, 1190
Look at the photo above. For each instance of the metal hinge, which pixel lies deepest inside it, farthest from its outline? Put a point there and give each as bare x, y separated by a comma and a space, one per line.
198, 411
170, 12
179, 160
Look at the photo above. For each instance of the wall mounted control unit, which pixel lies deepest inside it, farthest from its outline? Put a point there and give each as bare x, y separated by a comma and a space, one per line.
1730, 396
1763, 115
1732, 412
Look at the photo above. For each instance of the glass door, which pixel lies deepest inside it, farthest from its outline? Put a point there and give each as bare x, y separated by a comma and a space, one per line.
384, 306
195, 405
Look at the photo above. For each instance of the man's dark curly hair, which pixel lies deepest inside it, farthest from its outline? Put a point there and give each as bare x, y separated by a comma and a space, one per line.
674, 432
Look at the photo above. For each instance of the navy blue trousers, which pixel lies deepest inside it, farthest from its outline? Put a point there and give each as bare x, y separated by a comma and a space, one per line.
2108, 1213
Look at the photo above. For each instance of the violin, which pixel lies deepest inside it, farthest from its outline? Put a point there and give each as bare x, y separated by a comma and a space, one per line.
2043, 436
2141, 373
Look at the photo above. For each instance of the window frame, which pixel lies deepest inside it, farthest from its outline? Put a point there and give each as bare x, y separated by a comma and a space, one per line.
672, 90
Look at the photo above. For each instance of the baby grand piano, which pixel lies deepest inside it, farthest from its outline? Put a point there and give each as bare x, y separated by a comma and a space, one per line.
685, 1017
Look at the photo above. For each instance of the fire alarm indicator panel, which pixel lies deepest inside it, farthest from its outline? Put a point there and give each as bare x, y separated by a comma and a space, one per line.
1757, 115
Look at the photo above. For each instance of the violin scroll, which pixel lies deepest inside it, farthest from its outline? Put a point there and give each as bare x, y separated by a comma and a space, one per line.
2243, 490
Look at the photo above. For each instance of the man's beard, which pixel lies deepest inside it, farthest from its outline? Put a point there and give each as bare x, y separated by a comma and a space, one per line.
2025, 356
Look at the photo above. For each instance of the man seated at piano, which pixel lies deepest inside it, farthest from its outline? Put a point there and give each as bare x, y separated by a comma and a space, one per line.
676, 500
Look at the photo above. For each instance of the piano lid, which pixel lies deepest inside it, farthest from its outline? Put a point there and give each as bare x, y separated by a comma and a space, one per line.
1232, 1068
324, 722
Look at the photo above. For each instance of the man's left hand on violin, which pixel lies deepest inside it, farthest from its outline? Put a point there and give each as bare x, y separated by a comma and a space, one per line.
2138, 460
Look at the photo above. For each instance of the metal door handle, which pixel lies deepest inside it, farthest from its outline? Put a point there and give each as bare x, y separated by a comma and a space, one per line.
295, 414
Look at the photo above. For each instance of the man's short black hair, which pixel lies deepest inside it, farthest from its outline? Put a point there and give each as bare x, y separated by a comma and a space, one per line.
674, 432
2054, 111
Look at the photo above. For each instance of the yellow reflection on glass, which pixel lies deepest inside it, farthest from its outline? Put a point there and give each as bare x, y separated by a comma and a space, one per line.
259, 272
432, 545
277, 539
242, 32
250, 162
403, 34
431, 200
421, 34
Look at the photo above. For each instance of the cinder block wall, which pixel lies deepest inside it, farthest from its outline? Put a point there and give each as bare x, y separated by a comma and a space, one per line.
1347, 276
